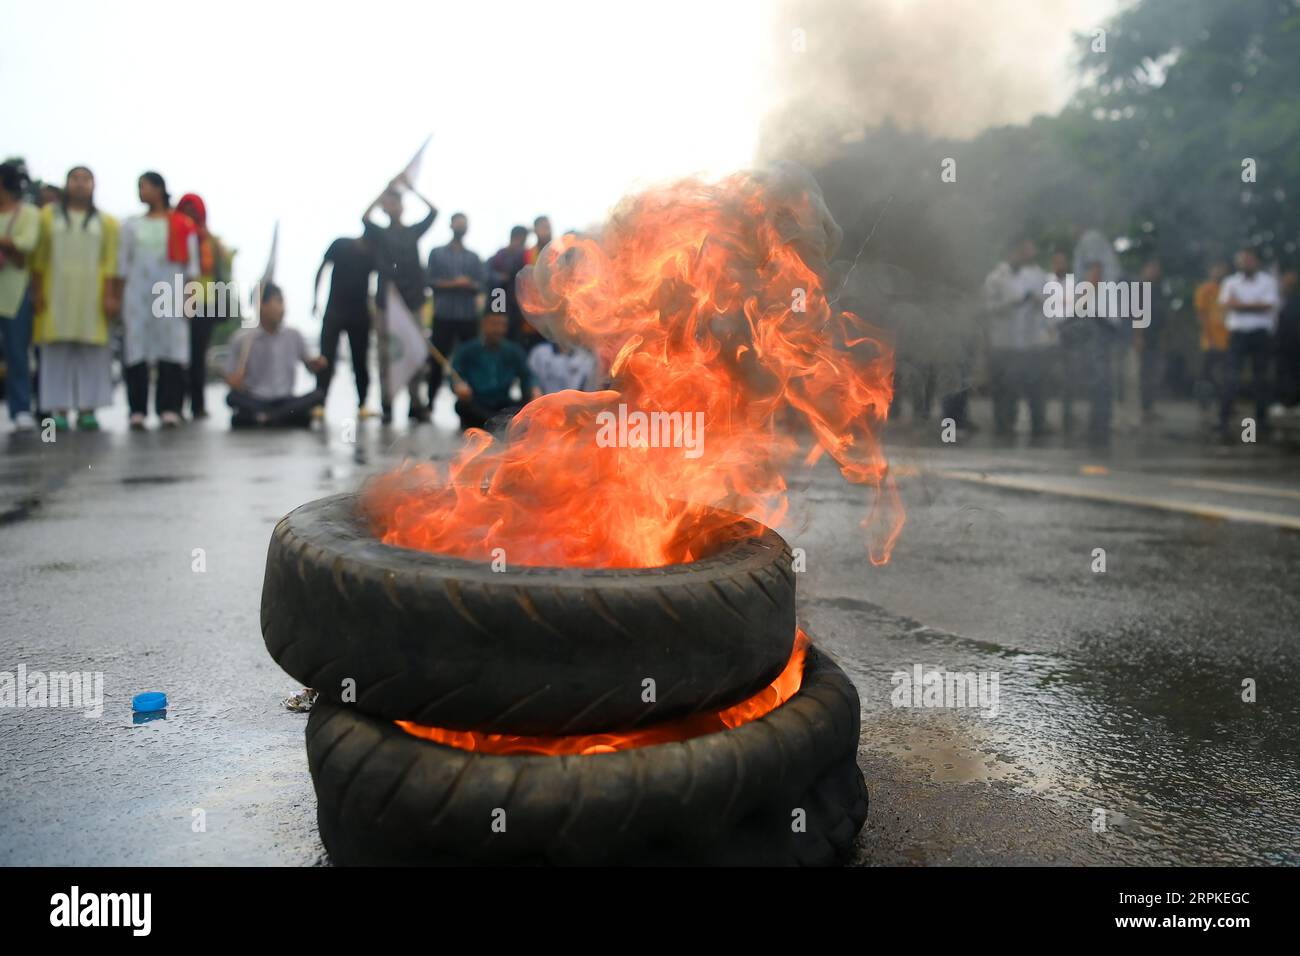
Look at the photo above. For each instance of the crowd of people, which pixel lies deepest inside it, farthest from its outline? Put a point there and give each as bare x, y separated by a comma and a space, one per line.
479, 338
69, 270
1248, 324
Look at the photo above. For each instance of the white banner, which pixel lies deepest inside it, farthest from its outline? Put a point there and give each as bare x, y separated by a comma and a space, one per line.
407, 351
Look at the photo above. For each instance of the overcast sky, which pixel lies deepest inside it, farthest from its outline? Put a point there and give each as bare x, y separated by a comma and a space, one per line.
302, 112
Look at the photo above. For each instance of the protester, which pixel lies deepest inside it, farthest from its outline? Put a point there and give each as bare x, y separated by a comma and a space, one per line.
1288, 342
1075, 334
75, 292
556, 367
456, 276
159, 247
214, 266
502, 270
1103, 334
529, 337
1251, 298
347, 311
397, 259
487, 368
1019, 339
261, 366
542, 232
1149, 339
1214, 334
20, 231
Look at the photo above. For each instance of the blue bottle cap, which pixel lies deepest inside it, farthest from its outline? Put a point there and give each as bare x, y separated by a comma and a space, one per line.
147, 703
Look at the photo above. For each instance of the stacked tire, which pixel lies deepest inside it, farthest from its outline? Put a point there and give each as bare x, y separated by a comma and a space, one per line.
387, 634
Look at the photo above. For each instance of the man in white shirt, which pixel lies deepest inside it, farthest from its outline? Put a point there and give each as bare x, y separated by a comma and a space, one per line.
1250, 298
1020, 338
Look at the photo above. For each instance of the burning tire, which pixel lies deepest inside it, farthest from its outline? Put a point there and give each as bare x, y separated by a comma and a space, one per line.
445, 641
733, 797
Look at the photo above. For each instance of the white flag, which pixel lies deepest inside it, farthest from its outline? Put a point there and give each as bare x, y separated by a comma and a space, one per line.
268, 275
412, 171
254, 317
407, 350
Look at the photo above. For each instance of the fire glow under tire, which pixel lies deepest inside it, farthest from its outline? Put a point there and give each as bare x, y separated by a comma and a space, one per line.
385, 797
535, 651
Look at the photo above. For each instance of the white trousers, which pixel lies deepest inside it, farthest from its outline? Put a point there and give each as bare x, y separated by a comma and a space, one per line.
75, 376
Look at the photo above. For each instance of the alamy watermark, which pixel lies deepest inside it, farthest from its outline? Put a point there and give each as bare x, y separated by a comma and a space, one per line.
178, 298
948, 689
129, 910
637, 429
75, 690
1069, 299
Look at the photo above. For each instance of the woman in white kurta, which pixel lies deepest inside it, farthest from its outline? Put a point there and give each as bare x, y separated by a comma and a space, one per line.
72, 274
153, 254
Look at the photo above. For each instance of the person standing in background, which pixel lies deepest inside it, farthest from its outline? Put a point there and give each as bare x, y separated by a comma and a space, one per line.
160, 247
1288, 341
1149, 339
214, 266
347, 310
1251, 299
542, 234
529, 337
502, 270
1076, 336
1106, 337
456, 276
75, 292
20, 231
397, 258
1019, 339
1214, 334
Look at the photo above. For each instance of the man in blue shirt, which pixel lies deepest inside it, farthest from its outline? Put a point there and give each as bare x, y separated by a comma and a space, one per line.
486, 368
456, 276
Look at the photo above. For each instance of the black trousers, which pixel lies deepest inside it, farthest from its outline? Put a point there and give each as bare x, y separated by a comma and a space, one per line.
1016, 374
1256, 349
357, 329
1210, 386
1149, 368
201, 327
291, 411
1089, 374
476, 414
169, 389
447, 334
1288, 372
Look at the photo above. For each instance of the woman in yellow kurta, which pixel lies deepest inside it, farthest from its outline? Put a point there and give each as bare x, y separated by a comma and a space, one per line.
73, 270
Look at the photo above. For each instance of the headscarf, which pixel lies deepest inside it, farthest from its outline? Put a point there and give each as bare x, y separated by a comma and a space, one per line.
186, 224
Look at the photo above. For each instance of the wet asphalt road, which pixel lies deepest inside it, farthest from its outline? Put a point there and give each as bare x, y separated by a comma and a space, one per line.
1119, 692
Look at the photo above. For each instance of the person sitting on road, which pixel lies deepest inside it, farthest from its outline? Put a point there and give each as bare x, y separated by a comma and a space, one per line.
486, 369
261, 367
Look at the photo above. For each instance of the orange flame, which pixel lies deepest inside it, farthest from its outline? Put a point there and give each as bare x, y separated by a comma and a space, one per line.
706, 302
761, 704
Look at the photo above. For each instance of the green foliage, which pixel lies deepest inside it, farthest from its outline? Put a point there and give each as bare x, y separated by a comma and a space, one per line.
1150, 149
1185, 91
